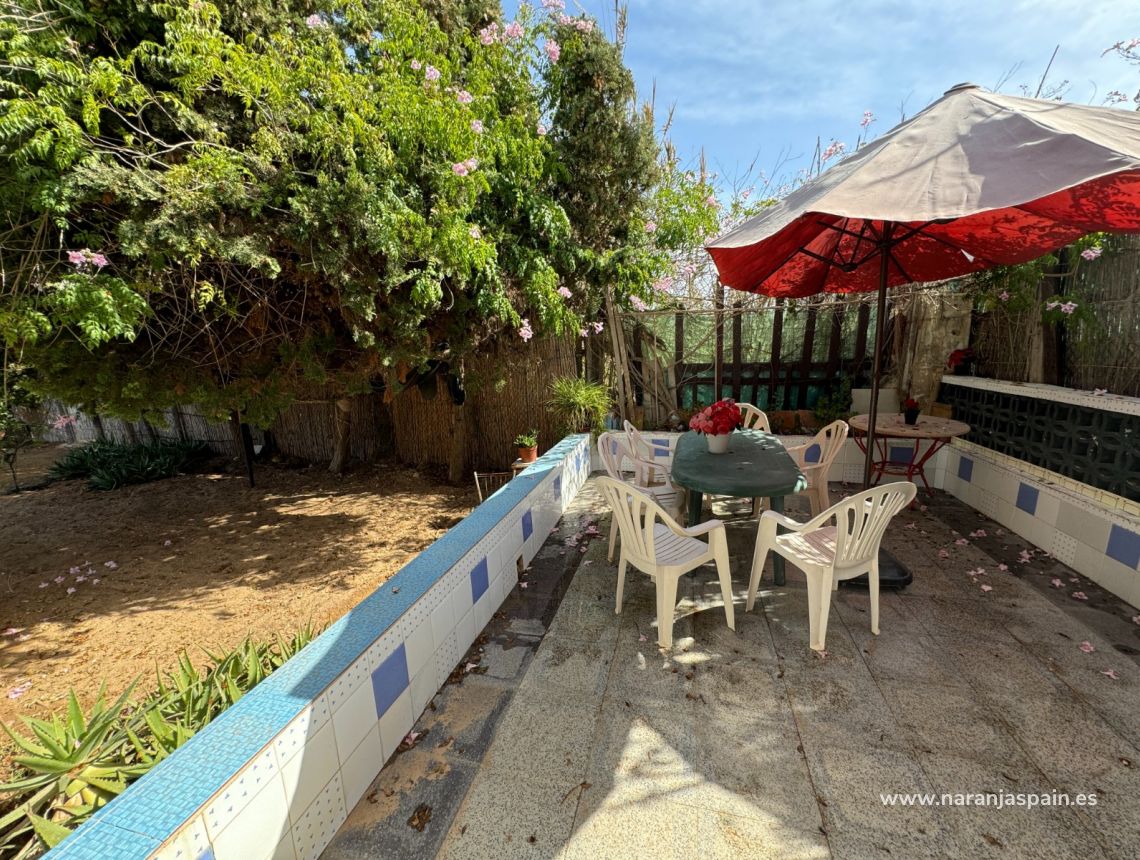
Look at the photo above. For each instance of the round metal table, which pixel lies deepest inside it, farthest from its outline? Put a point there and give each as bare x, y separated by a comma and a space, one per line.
890, 428
755, 466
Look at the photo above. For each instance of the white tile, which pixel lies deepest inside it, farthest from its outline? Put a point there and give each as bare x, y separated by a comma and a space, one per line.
294, 736
446, 659
188, 843
306, 774
320, 821
396, 723
285, 849
442, 621
1106, 572
255, 833
361, 767
353, 719
461, 597
225, 806
419, 646
1048, 506
423, 687
465, 631
382, 648
1064, 548
347, 683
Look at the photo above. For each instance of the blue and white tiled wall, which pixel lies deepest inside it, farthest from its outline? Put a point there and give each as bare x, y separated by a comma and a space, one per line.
1093, 535
275, 775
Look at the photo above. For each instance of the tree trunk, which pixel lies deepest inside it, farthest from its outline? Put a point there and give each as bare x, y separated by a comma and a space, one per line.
457, 456
343, 425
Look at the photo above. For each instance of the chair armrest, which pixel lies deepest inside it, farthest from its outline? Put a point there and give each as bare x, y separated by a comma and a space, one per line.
700, 528
786, 522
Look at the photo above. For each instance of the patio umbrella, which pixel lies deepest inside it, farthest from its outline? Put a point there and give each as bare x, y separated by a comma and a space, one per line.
975, 180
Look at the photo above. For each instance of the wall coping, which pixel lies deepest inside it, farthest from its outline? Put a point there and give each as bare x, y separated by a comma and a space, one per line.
1056, 393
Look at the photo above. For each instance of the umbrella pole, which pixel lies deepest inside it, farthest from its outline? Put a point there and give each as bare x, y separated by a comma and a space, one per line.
877, 364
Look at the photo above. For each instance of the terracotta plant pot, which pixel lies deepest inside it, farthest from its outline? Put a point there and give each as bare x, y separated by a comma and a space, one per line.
910, 416
528, 455
718, 444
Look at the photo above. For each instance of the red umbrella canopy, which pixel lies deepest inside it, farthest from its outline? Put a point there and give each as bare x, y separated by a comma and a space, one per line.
973, 181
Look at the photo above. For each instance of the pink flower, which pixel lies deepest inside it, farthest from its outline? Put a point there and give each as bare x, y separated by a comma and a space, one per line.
637, 303
460, 168
1004, 296
1024, 556
1068, 307
1056, 583
943, 554
987, 588
1111, 673
565, 292
416, 65
1092, 253
651, 227
43, 585
868, 118
541, 130
76, 258
584, 25
431, 73
980, 533
512, 31
489, 34
1087, 647
833, 149
525, 331
110, 565
553, 5
1136, 619
315, 22
59, 579
598, 326
553, 50
583, 332
477, 126
1003, 567
712, 201
1079, 595
71, 590
96, 581
962, 542
19, 690
464, 97
97, 260
474, 232
166, 542
565, 20
662, 285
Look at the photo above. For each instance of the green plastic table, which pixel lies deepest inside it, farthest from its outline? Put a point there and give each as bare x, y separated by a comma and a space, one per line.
755, 466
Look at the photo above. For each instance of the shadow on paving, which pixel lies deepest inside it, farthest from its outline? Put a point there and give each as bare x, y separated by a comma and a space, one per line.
577, 738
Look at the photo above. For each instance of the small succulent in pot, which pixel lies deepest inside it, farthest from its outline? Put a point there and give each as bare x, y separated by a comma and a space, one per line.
527, 443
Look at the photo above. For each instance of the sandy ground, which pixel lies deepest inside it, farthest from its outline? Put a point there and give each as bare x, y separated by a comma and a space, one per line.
100, 586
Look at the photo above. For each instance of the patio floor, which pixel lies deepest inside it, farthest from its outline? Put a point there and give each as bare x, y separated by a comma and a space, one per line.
566, 735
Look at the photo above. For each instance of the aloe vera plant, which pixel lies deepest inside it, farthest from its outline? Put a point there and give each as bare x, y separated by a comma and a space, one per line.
76, 763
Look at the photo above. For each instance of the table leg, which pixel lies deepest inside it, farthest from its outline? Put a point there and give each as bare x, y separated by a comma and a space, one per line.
777, 503
696, 501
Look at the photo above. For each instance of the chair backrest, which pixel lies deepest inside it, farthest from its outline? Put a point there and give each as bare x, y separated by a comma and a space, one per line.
637, 443
862, 519
830, 441
487, 482
635, 514
616, 454
753, 418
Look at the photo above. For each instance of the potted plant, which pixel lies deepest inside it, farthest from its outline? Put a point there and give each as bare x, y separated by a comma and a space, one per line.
961, 361
911, 408
527, 443
717, 423
579, 406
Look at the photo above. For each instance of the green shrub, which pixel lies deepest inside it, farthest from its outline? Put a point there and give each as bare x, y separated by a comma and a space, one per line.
579, 405
108, 465
76, 763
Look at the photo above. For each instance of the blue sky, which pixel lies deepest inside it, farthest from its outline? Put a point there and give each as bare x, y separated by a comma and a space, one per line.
763, 78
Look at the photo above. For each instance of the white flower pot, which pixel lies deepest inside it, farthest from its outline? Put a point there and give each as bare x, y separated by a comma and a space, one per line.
718, 444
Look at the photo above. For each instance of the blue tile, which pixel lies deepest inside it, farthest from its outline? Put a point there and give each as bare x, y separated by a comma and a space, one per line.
389, 680
479, 581
96, 841
527, 524
1124, 546
207, 854
1027, 498
965, 468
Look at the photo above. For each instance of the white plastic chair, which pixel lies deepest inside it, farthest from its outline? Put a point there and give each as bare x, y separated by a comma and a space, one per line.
840, 543
655, 544
753, 418
830, 441
615, 457
644, 452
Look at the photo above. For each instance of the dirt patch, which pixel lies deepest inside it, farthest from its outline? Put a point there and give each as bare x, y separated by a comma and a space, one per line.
102, 586
32, 465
